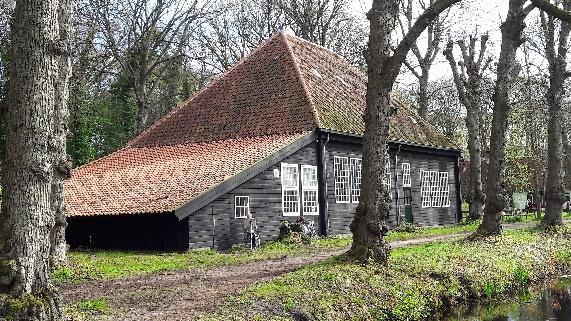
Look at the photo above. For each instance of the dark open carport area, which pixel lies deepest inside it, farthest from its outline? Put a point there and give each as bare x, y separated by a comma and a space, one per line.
145, 232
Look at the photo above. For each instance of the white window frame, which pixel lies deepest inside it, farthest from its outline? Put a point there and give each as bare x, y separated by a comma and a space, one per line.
388, 178
425, 191
306, 187
342, 182
434, 189
355, 169
245, 207
406, 179
294, 189
444, 190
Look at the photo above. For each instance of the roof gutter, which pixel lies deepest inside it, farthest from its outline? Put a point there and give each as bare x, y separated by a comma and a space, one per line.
396, 142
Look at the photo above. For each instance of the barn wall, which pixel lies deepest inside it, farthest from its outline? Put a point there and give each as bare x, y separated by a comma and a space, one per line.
265, 195
128, 232
340, 215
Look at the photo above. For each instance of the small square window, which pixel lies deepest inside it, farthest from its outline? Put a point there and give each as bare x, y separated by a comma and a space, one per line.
241, 206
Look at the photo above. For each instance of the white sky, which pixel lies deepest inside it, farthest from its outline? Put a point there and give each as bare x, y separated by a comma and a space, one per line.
464, 19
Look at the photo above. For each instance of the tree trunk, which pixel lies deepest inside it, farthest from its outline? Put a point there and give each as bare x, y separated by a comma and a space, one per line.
27, 216
369, 225
508, 69
567, 153
423, 95
61, 163
473, 118
143, 107
554, 190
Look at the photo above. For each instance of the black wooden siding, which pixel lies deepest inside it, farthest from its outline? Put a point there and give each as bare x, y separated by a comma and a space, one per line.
341, 214
265, 194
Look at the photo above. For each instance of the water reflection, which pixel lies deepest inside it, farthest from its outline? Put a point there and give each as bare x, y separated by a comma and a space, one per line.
552, 303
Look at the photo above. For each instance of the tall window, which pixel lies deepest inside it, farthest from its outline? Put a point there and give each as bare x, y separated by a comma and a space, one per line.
241, 206
425, 188
406, 181
290, 189
355, 166
387, 180
309, 190
435, 191
341, 172
444, 190
435, 188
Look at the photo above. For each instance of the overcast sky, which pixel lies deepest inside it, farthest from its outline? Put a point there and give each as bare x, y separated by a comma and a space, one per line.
464, 19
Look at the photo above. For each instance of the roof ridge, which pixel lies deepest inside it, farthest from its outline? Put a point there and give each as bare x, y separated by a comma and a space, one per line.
349, 64
199, 92
301, 80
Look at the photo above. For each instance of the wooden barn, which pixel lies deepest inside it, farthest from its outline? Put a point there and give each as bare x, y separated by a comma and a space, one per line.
278, 135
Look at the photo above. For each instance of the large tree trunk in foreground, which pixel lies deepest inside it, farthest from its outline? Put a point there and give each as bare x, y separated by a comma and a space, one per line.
508, 69
556, 55
27, 216
468, 83
567, 151
369, 225
61, 163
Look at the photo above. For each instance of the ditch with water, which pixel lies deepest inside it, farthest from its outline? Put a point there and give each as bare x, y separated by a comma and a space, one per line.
550, 302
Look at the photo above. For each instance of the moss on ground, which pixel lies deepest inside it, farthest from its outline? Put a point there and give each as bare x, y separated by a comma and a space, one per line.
100, 265
420, 281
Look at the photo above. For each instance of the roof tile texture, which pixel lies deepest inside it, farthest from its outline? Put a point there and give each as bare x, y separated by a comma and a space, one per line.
161, 179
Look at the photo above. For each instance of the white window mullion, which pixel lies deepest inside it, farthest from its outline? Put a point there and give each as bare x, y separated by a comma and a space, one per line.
290, 189
342, 184
241, 206
309, 190
406, 181
355, 167
435, 188
425, 188
444, 190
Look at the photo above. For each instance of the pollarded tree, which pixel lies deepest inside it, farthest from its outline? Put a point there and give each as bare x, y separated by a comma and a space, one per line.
383, 66
423, 60
507, 72
468, 81
556, 44
27, 201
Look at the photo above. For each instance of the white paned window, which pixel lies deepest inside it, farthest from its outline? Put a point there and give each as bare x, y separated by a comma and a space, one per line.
425, 188
241, 206
290, 189
341, 172
406, 181
435, 188
387, 180
444, 190
355, 166
309, 190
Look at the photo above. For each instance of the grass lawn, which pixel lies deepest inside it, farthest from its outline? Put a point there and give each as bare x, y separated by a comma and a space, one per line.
98, 265
419, 282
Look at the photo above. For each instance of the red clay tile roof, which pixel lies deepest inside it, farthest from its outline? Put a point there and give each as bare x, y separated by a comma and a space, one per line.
283, 89
162, 179
286, 85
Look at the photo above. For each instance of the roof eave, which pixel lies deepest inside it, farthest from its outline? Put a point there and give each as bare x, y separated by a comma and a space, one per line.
231, 183
360, 136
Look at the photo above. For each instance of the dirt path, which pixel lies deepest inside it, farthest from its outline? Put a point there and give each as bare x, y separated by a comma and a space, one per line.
182, 295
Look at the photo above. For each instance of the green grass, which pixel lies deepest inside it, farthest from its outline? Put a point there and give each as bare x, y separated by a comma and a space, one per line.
419, 282
98, 265
99, 306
